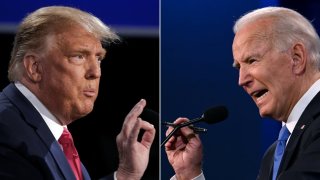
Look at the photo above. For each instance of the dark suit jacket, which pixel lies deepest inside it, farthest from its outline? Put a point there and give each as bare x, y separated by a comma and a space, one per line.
28, 149
301, 159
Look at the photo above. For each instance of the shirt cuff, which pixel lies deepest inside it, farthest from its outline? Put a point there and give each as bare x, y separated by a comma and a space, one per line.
199, 177
115, 175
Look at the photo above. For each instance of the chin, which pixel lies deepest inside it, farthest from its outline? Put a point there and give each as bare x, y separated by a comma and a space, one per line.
80, 115
84, 111
264, 113
87, 111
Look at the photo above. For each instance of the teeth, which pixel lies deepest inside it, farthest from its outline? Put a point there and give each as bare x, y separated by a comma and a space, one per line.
261, 97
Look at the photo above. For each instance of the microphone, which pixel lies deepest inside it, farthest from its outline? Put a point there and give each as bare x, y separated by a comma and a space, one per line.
210, 116
150, 115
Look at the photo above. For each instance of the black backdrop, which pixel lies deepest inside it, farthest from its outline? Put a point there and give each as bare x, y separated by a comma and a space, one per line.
129, 72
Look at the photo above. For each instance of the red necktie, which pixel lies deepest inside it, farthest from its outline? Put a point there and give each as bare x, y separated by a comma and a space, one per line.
71, 153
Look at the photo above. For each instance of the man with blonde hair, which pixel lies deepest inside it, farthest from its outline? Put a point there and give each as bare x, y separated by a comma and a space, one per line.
54, 73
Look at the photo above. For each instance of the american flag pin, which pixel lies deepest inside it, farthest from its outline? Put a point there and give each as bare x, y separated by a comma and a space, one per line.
302, 127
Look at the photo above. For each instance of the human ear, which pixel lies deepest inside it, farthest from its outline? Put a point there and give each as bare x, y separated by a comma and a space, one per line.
299, 58
32, 67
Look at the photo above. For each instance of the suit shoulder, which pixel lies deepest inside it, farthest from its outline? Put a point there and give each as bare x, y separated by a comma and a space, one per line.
7, 111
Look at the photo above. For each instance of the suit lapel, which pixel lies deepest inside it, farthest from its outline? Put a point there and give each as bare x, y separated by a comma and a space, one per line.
303, 123
55, 159
266, 167
55, 152
85, 173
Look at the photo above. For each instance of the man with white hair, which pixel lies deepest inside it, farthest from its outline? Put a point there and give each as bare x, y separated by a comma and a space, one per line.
277, 53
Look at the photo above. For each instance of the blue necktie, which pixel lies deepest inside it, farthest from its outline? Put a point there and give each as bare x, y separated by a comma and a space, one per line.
281, 145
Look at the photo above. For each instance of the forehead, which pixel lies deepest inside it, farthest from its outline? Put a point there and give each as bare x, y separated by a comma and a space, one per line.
75, 34
254, 37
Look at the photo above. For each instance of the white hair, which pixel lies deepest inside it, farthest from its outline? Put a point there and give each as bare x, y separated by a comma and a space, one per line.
288, 27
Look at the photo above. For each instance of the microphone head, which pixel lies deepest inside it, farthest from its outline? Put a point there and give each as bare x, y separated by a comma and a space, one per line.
150, 115
215, 114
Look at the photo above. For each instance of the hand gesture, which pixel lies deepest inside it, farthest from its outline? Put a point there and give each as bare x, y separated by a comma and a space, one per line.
134, 155
184, 151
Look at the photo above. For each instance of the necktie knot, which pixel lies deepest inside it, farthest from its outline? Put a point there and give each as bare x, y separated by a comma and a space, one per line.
284, 134
67, 144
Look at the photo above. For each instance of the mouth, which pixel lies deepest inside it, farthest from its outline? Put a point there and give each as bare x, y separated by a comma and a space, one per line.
259, 95
89, 92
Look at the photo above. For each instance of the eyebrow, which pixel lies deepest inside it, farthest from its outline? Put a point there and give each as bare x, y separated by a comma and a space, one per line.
101, 53
254, 55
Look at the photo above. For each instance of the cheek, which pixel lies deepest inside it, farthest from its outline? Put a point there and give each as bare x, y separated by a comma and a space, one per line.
68, 77
276, 77
281, 91
63, 83
283, 81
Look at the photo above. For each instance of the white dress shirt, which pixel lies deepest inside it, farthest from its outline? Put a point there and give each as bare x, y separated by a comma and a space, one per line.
199, 177
301, 106
55, 127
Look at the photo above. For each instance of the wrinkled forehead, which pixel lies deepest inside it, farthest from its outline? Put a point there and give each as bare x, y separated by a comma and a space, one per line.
250, 43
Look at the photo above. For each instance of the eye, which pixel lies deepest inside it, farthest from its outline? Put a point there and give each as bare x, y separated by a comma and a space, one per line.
99, 58
251, 61
77, 58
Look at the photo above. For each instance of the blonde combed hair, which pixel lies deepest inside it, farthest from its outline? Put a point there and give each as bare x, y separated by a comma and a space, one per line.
37, 26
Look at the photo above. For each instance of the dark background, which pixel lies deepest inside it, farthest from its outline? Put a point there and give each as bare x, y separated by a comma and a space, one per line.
129, 72
197, 73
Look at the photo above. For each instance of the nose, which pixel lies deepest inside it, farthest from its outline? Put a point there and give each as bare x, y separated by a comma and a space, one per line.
93, 69
245, 79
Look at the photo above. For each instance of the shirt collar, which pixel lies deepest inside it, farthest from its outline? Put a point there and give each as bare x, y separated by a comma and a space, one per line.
55, 127
301, 105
